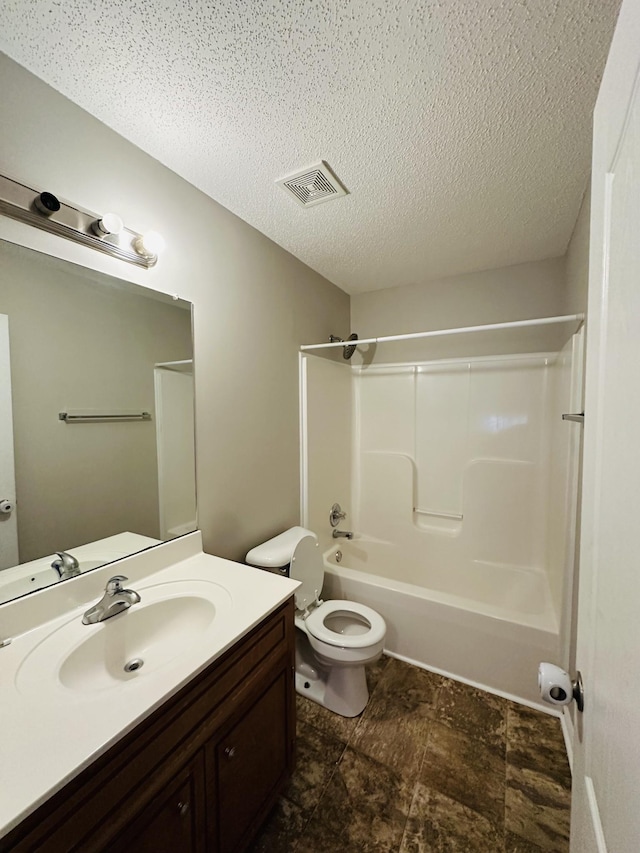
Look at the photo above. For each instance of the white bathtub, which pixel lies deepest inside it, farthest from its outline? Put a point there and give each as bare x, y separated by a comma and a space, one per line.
494, 641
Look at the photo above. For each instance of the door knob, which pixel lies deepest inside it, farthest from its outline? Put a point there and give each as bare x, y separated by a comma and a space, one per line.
7, 506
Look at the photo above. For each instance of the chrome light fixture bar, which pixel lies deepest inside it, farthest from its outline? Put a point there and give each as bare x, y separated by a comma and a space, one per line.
104, 232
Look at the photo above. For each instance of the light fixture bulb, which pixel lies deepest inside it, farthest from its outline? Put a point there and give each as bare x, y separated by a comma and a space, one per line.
150, 245
109, 224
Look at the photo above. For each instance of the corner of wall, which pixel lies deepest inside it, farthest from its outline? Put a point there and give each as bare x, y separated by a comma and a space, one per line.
577, 259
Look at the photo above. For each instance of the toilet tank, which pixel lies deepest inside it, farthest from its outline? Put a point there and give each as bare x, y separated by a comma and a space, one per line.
275, 554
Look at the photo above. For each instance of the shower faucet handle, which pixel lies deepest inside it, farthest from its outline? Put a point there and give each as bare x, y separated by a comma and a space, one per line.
336, 515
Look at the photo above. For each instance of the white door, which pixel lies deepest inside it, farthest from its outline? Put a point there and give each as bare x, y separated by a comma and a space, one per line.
8, 520
606, 799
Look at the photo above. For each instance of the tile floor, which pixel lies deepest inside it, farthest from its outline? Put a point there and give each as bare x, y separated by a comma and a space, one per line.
431, 766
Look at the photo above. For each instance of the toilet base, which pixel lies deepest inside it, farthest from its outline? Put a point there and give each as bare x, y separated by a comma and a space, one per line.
341, 689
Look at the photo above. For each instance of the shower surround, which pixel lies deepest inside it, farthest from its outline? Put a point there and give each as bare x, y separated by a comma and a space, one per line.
460, 480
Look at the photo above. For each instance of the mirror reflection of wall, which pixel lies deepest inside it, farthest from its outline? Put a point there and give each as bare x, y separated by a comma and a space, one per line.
80, 340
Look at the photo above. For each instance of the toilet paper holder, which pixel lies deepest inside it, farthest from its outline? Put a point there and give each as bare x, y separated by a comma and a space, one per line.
558, 688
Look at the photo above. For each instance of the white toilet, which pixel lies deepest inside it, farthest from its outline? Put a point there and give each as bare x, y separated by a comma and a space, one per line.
335, 639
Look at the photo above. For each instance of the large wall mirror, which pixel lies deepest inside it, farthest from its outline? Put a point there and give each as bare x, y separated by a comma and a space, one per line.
118, 474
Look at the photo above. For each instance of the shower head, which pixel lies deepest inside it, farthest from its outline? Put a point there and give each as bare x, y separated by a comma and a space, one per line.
348, 351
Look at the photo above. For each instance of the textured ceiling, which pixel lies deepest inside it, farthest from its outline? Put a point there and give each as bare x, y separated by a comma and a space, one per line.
460, 127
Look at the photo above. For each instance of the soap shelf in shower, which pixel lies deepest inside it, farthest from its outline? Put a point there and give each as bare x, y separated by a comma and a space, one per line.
435, 514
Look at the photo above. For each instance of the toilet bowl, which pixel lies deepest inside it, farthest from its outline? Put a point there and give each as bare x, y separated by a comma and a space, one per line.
334, 639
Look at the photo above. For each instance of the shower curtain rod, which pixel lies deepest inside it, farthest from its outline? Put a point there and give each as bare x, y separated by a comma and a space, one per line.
515, 324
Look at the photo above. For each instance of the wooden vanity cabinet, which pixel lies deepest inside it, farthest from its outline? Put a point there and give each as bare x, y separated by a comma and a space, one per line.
173, 820
197, 776
245, 766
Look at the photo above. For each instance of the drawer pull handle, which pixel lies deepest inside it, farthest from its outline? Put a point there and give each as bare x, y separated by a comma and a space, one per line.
230, 751
183, 809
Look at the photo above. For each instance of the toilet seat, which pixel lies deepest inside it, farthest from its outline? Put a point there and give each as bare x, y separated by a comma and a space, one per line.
315, 624
306, 567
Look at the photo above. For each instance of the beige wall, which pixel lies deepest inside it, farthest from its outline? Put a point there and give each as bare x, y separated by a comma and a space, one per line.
577, 260
254, 303
77, 343
511, 293
329, 423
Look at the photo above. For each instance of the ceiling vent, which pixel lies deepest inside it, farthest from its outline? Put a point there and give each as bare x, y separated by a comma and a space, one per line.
312, 185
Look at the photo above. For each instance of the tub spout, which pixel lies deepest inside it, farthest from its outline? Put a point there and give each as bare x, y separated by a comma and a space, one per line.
342, 534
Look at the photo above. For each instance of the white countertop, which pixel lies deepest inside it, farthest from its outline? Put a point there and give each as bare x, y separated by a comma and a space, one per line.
39, 574
49, 735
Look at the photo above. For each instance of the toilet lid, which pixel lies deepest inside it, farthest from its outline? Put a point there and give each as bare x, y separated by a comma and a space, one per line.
318, 623
307, 567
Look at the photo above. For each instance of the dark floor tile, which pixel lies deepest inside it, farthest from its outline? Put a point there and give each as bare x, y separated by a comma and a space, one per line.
341, 728
535, 742
465, 770
537, 809
480, 715
374, 672
437, 824
282, 829
409, 688
394, 726
494, 778
331, 723
515, 844
326, 842
317, 756
364, 808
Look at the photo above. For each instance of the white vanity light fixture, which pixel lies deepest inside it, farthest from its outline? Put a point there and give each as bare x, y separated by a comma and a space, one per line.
109, 224
149, 244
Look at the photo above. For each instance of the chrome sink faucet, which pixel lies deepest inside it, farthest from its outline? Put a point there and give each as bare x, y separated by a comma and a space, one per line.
114, 601
66, 566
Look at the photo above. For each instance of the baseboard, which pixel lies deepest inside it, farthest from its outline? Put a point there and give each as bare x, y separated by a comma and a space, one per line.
553, 712
568, 732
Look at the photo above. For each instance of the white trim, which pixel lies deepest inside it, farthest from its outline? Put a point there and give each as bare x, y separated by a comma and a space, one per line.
304, 450
568, 732
9, 552
594, 811
158, 403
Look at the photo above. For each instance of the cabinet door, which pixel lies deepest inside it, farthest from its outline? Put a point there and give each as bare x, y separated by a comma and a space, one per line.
174, 821
251, 760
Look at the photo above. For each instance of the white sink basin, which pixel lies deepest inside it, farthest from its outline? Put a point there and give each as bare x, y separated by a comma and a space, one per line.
169, 621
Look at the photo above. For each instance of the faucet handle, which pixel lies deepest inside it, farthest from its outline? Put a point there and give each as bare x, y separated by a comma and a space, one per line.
114, 584
336, 515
